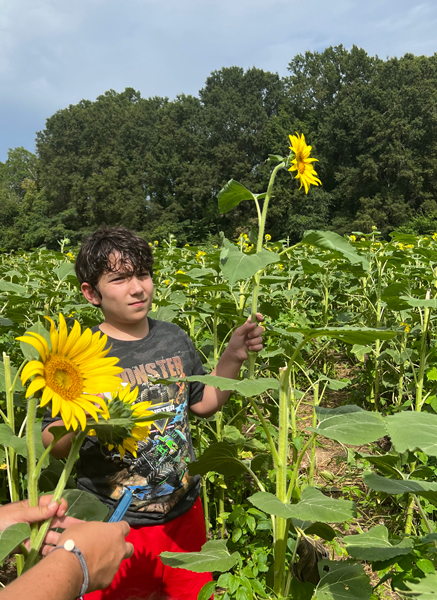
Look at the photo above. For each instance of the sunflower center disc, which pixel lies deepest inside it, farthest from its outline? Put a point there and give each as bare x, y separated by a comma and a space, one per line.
63, 377
300, 163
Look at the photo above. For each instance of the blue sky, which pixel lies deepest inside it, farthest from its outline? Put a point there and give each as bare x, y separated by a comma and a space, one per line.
55, 52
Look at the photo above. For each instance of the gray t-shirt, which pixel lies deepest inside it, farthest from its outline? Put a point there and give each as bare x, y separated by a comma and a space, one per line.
158, 477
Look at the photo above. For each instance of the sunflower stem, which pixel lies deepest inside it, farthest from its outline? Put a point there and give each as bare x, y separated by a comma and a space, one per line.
32, 481
32, 559
42, 458
14, 489
259, 246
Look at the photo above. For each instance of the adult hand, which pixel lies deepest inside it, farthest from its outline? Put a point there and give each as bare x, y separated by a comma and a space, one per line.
103, 546
21, 512
247, 337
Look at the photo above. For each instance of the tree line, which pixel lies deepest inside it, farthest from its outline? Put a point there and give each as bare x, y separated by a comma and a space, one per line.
156, 165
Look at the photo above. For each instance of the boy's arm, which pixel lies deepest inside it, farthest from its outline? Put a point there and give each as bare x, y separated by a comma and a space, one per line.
247, 337
62, 448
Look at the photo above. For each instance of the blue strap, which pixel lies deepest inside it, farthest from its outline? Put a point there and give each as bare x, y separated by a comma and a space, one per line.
122, 506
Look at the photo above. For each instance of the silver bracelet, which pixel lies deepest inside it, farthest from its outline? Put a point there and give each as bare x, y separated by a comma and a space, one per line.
70, 547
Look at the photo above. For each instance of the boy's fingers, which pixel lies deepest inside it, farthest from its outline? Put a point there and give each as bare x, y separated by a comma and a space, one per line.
259, 317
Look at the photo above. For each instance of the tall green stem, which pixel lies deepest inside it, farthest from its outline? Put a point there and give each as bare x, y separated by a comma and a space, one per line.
422, 355
378, 342
13, 461
281, 530
32, 481
313, 444
36, 544
257, 278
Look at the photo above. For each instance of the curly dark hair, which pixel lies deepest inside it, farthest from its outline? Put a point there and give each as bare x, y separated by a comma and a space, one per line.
95, 257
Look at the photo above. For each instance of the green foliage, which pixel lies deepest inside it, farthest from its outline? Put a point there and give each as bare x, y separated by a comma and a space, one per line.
214, 556
12, 537
157, 166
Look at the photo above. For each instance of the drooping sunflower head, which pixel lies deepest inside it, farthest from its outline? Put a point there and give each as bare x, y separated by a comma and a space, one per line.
71, 372
302, 162
123, 430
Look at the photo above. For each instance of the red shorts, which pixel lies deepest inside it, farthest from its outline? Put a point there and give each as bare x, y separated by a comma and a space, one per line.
143, 576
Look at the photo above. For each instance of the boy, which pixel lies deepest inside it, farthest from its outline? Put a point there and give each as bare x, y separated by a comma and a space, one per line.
114, 267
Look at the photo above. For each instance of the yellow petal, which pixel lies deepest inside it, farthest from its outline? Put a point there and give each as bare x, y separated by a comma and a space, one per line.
63, 334
41, 348
37, 384
72, 339
34, 367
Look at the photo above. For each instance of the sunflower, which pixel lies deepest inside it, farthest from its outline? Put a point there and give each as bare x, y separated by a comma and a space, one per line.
127, 432
71, 372
302, 162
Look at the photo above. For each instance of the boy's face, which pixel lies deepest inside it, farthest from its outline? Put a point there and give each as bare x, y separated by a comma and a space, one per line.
125, 299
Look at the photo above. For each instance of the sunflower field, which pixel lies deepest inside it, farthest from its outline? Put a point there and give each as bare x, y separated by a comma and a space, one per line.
348, 371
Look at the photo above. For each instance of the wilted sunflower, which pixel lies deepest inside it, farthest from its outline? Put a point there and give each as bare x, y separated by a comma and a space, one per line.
302, 162
71, 372
126, 431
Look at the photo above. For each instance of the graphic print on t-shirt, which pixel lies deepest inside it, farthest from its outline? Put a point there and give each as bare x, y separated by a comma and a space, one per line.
158, 476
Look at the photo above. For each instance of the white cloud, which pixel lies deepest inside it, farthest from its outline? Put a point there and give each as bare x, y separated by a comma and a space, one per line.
54, 53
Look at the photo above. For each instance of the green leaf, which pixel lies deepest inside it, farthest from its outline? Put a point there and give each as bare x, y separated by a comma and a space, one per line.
7, 286
357, 428
301, 591
323, 530
6, 434
328, 240
312, 266
392, 295
412, 430
207, 590
245, 387
398, 486
417, 303
29, 351
313, 506
334, 384
84, 505
237, 265
12, 537
386, 463
275, 158
374, 545
18, 386
344, 581
50, 476
425, 565
9, 439
231, 195
220, 457
214, 556
64, 270
425, 588
349, 335
326, 413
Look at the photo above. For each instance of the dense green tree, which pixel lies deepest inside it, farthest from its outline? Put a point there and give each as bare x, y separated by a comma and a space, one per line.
157, 165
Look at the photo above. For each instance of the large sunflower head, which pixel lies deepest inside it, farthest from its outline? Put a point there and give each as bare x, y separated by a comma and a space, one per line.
302, 162
123, 431
71, 372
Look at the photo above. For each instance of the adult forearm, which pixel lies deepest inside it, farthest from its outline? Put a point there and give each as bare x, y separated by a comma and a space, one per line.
59, 576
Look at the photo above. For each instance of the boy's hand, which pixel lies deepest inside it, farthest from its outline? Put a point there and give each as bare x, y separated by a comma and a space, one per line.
247, 337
